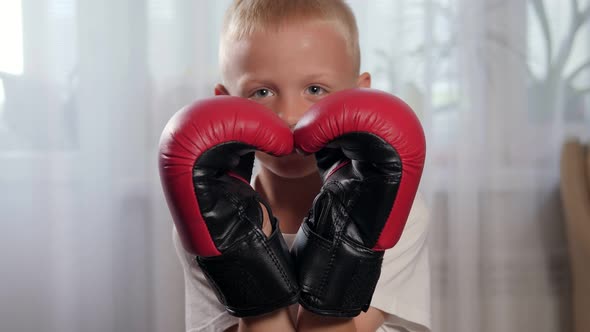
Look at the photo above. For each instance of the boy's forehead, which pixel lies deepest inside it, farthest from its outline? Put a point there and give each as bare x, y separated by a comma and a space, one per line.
287, 43
298, 50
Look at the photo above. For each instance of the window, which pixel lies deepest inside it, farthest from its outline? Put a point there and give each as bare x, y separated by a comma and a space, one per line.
11, 37
38, 75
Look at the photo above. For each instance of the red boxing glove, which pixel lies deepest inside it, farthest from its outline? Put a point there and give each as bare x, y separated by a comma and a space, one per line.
370, 152
206, 159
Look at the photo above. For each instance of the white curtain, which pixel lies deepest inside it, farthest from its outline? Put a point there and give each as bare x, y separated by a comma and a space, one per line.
87, 86
498, 85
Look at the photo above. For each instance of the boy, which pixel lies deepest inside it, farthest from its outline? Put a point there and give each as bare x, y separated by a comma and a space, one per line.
287, 55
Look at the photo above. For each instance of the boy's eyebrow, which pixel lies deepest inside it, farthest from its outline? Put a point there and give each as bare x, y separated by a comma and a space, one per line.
315, 76
253, 79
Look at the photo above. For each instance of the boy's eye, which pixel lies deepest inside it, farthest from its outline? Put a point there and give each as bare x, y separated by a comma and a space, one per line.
316, 90
262, 93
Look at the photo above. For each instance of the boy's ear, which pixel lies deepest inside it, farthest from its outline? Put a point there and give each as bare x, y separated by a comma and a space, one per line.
220, 90
364, 80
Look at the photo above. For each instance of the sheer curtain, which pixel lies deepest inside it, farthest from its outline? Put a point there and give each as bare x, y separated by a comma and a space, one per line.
498, 85
86, 87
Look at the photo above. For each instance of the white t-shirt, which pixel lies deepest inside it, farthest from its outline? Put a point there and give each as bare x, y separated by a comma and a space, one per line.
403, 289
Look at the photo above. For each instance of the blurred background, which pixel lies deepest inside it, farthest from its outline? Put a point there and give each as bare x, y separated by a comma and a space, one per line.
87, 86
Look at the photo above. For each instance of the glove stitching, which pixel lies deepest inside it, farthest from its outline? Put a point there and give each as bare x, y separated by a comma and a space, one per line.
343, 208
314, 241
333, 248
338, 236
272, 255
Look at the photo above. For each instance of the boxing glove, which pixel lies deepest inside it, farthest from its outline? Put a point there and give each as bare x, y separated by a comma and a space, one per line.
206, 157
370, 151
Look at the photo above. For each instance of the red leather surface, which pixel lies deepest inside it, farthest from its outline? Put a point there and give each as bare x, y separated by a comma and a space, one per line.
379, 113
195, 129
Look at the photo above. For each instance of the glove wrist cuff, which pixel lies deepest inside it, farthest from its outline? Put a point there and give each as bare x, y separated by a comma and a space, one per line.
254, 276
337, 278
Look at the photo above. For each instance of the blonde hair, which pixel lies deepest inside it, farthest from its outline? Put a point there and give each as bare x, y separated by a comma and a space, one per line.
245, 17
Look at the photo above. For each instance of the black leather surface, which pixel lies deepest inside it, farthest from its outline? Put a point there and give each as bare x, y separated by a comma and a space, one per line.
254, 274
336, 266
337, 278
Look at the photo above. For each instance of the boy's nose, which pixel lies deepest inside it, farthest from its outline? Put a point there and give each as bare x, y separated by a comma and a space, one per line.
291, 112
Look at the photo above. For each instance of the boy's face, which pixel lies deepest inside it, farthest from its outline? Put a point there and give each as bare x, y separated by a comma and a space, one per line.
288, 71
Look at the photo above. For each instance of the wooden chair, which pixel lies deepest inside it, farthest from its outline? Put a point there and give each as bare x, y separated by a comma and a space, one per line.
575, 196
